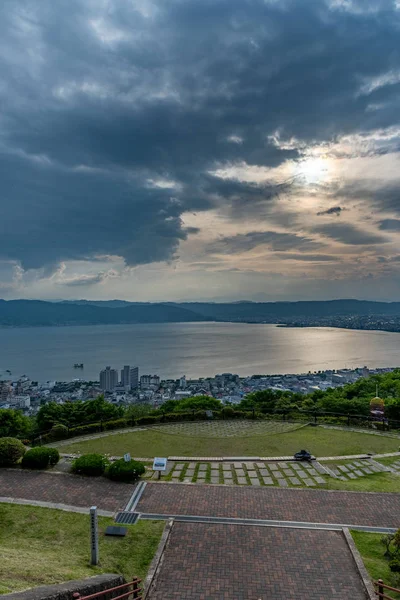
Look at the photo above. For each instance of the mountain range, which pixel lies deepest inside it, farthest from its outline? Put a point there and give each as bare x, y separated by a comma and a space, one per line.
19, 313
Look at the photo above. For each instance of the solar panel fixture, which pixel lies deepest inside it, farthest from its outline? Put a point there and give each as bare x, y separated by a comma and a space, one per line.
116, 531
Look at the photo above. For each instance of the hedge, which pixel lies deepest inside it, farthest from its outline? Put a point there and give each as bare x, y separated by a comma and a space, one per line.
40, 458
129, 471
90, 464
11, 451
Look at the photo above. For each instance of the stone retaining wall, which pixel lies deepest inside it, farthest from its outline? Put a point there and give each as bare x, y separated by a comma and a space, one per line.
65, 591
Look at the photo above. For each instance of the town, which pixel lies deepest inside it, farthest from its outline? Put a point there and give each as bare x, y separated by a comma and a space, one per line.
128, 387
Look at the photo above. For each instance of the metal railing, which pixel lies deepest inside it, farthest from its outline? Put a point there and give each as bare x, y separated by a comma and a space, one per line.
381, 587
135, 593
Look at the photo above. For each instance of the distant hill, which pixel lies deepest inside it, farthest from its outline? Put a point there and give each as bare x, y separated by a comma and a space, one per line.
276, 311
17, 313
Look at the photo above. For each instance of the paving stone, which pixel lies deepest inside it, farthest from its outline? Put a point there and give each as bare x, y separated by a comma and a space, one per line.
187, 480
294, 480
260, 465
342, 477
214, 465
358, 463
240, 473
214, 479
288, 472
228, 476
175, 476
254, 481
273, 467
252, 474
264, 472
279, 475
179, 467
358, 473
296, 466
309, 482
242, 480
343, 468
319, 479
367, 470
351, 475
189, 473
282, 465
203, 468
283, 483
268, 480
249, 465
226, 467
302, 474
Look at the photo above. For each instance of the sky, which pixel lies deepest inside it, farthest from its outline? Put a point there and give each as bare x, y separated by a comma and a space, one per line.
220, 150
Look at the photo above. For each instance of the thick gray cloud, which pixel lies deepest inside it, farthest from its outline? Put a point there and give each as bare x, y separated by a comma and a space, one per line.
333, 210
348, 234
390, 225
99, 99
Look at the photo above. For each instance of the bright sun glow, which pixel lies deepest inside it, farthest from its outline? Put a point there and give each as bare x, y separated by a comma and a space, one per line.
313, 170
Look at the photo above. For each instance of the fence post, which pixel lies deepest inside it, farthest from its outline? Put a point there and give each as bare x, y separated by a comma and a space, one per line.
380, 588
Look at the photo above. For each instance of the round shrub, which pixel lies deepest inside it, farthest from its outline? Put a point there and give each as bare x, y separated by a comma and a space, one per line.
90, 464
11, 450
394, 565
40, 458
125, 471
59, 431
228, 412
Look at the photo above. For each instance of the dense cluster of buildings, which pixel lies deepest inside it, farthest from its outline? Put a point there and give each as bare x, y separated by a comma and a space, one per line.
127, 387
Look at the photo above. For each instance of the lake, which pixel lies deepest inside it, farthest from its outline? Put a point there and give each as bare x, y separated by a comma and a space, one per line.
194, 349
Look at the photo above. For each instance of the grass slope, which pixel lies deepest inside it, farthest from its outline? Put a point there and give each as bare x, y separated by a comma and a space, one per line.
378, 482
321, 442
372, 550
41, 546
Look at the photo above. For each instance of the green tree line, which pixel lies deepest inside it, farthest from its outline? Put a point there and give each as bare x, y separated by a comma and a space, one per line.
353, 399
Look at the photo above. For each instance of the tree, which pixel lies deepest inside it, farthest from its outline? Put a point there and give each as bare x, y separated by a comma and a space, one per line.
14, 424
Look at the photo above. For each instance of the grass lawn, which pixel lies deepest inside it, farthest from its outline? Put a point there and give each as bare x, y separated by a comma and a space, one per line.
41, 546
152, 442
372, 550
378, 482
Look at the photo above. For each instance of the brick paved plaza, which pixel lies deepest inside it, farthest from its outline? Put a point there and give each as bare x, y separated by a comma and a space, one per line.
65, 489
224, 562
315, 506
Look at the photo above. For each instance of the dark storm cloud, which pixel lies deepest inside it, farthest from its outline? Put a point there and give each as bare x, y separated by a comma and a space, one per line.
274, 240
168, 90
348, 234
390, 225
334, 210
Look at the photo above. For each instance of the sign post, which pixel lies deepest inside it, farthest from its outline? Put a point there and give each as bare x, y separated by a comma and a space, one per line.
94, 536
159, 464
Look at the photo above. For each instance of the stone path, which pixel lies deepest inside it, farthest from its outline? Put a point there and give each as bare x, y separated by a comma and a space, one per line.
311, 506
225, 562
283, 474
356, 469
267, 473
66, 489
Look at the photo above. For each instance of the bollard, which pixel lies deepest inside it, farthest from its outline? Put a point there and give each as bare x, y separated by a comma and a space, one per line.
94, 536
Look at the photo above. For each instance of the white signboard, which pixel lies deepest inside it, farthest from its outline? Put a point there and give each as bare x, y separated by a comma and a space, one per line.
159, 464
127, 457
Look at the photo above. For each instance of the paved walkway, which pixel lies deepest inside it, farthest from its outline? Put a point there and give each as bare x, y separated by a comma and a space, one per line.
224, 562
65, 489
312, 506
